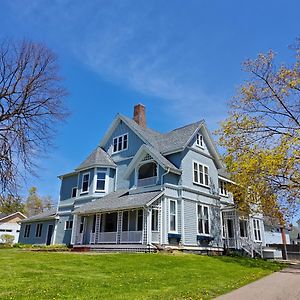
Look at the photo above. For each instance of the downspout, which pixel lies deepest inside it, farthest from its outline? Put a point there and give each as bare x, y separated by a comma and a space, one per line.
162, 176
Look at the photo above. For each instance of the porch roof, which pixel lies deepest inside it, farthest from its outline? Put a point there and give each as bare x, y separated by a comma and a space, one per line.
118, 200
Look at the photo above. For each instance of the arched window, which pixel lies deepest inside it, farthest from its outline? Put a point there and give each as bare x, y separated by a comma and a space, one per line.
147, 174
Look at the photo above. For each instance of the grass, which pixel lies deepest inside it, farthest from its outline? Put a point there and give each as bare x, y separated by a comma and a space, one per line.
47, 275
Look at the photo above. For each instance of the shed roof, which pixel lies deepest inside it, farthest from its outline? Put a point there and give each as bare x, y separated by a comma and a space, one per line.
118, 200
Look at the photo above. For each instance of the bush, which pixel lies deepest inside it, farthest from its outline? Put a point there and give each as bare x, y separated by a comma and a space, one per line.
7, 239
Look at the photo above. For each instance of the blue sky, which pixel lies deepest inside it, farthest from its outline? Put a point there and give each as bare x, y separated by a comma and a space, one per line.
182, 59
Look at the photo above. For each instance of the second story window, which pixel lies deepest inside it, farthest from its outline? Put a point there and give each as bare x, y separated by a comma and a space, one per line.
223, 188
74, 192
120, 143
100, 185
199, 140
85, 182
200, 175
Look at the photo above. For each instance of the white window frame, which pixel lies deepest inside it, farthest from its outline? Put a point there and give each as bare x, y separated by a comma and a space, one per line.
67, 225
75, 187
83, 192
122, 142
199, 140
155, 216
105, 180
223, 189
176, 216
199, 173
203, 223
257, 230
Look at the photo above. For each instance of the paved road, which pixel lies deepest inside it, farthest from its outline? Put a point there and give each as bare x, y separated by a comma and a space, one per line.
283, 285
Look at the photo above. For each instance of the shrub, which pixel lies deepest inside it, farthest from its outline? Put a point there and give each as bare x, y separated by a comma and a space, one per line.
7, 239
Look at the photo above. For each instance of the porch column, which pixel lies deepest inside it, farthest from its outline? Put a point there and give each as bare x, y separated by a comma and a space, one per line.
119, 226
74, 230
97, 228
145, 228
149, 225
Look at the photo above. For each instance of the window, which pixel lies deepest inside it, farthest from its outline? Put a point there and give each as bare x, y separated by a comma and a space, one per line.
203, 219
199, 140
256, 228
68, 225
120, 143
132, 220
100, 185
200, 174
243, 228
74, 192
38, 231
27, 230
85, 182
173, 215
6, 230
81, 225
94, 224
109, 222
223, 188
154, 225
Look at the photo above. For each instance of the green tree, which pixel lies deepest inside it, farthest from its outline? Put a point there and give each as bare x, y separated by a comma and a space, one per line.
35, 204
11, 204
261, 138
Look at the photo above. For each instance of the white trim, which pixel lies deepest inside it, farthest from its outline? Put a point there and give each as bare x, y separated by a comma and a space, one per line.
137, 168
88, 188
198, 172
208, 216
176, 216
182, 222
257, 229
122, 142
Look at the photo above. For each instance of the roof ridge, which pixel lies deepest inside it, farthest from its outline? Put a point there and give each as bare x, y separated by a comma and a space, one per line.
182, 127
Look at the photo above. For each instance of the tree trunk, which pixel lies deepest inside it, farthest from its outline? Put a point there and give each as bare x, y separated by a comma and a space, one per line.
284, 251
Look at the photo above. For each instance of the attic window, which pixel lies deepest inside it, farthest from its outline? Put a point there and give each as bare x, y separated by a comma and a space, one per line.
120, 143
199, 140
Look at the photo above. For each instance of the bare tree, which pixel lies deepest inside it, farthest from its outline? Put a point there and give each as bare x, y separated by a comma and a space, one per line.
31, 104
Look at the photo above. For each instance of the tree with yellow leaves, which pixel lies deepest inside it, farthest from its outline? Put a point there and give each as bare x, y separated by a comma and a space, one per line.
261, 138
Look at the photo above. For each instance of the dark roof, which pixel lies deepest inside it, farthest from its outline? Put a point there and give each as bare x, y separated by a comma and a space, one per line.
2, 215
97, 157
50, 214
118, 200
166, 142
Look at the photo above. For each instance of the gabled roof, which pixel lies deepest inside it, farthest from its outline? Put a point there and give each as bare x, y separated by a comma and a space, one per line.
119, 200
6, 217
97, 158
47, 215
160, 159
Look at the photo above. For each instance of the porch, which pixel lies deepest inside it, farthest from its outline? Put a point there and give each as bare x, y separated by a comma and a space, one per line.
128, 227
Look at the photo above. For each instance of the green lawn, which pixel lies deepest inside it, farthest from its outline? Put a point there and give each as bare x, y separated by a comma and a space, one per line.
45, 275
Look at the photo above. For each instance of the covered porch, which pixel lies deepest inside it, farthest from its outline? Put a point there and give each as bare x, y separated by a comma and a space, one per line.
121, 224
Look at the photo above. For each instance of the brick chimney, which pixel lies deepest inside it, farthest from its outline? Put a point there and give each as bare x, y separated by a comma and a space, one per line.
139, 115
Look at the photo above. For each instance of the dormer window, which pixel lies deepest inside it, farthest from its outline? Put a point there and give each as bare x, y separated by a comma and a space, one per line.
120, 143
199, 140
85, 183
147, 174
223, 188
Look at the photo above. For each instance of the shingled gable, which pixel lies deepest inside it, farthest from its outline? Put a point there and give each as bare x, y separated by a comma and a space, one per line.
160, 159
97, 158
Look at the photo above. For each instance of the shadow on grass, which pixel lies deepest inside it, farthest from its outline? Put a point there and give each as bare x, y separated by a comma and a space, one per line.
252, 262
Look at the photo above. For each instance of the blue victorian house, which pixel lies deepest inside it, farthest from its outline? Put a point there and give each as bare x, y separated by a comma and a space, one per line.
143, 190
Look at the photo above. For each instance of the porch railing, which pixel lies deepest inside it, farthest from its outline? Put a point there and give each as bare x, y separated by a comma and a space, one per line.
108, 237
147, 181
131, 236
92, 237
155, 236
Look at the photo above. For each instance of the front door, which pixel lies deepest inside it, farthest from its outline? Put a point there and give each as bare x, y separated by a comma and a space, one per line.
49, 235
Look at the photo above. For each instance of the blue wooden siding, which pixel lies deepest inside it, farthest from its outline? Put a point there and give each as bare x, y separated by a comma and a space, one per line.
190, 223
32, 239
63, 236
67, 183
134, 142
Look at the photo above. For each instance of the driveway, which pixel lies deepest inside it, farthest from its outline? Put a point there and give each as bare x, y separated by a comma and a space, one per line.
281, 285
